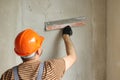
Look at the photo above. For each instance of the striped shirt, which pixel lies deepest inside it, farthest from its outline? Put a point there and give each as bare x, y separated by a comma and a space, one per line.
53, 70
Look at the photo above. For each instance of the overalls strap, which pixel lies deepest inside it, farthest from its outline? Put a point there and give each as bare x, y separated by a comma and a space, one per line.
41, 67
39, 76
15, 71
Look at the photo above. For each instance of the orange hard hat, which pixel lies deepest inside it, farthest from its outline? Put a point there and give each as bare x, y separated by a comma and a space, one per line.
27, 42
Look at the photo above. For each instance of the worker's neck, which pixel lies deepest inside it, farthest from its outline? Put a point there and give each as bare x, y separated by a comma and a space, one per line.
30, 59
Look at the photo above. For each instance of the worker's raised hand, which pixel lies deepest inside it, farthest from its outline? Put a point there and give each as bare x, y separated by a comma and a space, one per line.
67, 30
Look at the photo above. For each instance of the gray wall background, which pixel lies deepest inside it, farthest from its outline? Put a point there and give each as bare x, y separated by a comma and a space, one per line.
89, 41
113, 40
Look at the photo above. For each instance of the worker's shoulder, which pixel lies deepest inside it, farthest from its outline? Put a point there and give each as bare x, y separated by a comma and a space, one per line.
55, 62
7, 73
55, 66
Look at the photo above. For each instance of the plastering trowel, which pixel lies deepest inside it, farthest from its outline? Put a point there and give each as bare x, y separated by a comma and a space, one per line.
73, 22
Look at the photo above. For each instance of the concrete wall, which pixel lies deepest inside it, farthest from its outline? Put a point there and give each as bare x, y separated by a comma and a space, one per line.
113, 40
89, 41
8, 26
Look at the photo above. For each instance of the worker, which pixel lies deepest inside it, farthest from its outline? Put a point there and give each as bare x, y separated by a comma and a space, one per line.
28, 45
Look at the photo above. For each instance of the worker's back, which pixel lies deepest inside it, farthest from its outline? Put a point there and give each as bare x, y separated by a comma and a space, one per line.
53, 70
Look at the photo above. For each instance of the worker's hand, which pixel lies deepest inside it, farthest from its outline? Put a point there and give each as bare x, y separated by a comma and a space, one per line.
67, 30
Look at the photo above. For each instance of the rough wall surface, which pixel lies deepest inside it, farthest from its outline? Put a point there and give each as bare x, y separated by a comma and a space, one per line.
8, 23
89, 40
113, 40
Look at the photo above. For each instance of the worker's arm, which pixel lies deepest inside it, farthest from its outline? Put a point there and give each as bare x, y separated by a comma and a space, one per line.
70, 50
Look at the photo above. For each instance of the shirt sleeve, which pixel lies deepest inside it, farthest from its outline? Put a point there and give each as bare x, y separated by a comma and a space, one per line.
58, 66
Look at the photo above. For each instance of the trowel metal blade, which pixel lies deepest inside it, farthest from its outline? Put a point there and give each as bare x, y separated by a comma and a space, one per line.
73, 22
